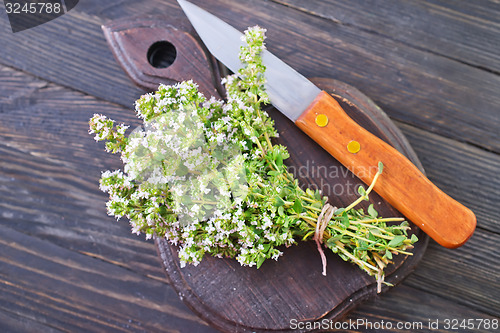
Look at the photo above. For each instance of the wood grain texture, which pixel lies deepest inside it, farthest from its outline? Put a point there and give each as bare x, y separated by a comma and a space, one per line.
411, 307
68, 291
57, 144
13, 323
469, 275
49, 166
453, 170
405, 187
467, 32
466, 172
64, 264
412, 85
71, 51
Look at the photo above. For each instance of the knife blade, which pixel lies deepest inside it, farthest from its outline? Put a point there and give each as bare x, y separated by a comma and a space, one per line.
319, 115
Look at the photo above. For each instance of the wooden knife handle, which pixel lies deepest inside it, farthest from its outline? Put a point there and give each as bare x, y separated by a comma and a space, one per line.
402, 184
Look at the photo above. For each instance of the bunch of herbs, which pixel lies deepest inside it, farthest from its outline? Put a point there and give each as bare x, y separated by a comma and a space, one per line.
206, 175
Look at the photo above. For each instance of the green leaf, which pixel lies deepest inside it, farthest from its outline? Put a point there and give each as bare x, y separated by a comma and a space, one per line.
317, 195
372, 212
396, 231
361, 191
273, 173
260, 261
413, 238
307, 235
281, 211
278, 202
297, 206
158, 157
279, 160
182, 170
345, 220
363, 246
339, 211
396, 241
331, 241
163, 210
380, 167
388, 254
317, 204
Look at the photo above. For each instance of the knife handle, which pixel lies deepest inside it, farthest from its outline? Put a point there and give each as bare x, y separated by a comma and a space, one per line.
402, 184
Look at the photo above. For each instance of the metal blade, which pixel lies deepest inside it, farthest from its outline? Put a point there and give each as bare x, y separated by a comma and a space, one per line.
289, 91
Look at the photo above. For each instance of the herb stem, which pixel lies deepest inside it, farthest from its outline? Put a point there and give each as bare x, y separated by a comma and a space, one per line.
269, 144
313, 208
308, 199
389, 219
261, 148
203, 202
360, 263
343, 231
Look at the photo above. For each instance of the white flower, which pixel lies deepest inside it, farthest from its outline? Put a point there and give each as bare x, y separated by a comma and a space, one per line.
195, 208
277, 255
267, 222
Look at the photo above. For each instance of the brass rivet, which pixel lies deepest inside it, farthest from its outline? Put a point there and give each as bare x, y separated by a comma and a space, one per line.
353, 147
321, 120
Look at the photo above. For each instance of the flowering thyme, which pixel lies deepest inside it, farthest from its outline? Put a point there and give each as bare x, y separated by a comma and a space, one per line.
205, 175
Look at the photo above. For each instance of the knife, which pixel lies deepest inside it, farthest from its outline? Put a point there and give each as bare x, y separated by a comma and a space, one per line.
319, 115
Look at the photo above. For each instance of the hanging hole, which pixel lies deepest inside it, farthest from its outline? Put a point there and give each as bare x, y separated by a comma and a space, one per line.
161, 54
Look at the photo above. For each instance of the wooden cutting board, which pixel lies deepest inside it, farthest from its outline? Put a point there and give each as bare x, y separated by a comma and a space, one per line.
230, 297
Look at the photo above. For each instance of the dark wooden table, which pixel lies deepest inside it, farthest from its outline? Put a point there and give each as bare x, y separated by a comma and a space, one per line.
433, 66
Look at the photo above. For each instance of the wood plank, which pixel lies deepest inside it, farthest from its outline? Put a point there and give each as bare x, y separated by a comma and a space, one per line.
467, 173
72, 292
58, 204
398, 307
50, 168
469, 275
70, 51
13, 323
54, 129
465, 31
62, 290
414, 86
115, 9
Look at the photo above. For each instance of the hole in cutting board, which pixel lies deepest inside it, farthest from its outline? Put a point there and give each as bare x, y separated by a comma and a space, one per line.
162, 54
